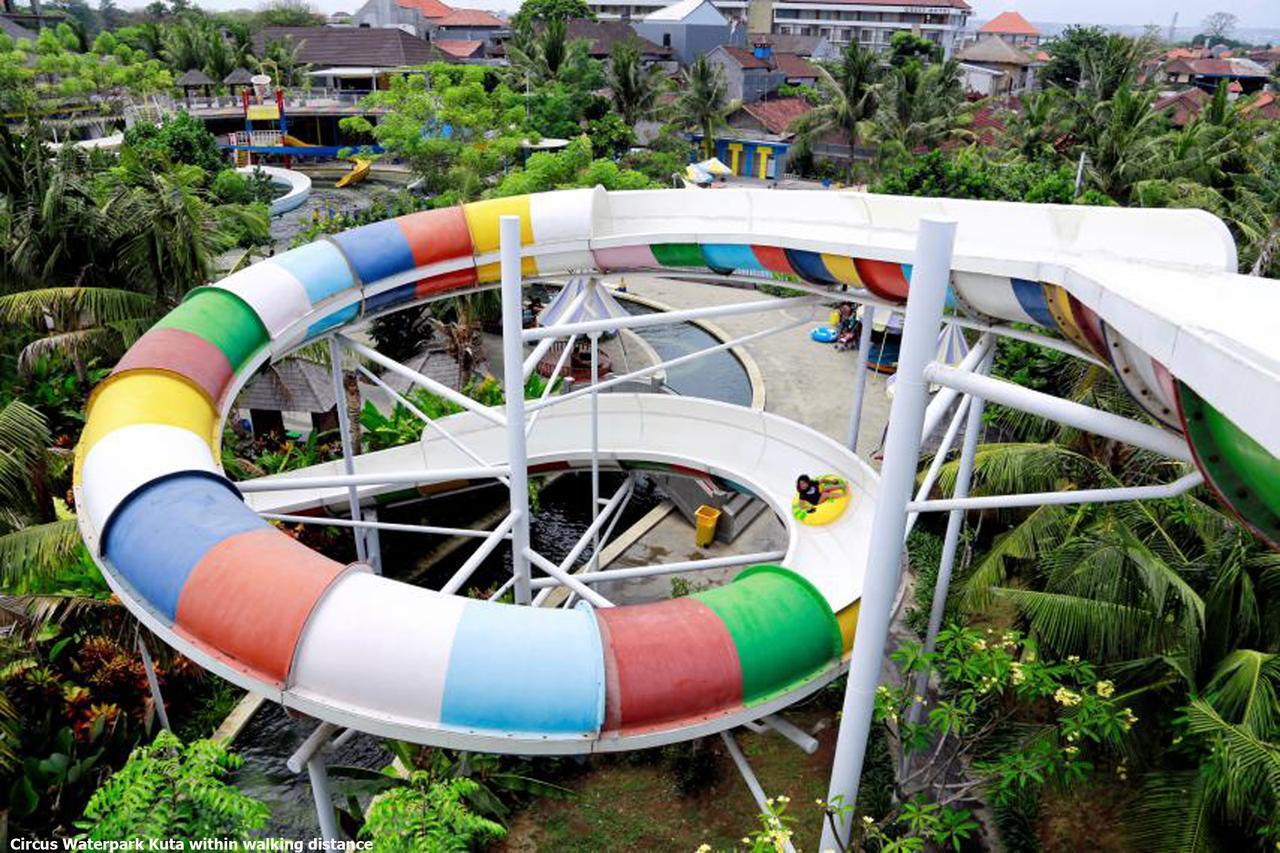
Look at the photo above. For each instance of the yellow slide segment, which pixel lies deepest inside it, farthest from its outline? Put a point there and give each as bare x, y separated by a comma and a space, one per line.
294, 142
358, 172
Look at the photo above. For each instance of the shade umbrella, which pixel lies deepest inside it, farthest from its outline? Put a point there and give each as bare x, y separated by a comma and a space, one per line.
599, 304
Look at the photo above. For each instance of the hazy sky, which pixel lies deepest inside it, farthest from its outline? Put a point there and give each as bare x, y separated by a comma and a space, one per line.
1252, 13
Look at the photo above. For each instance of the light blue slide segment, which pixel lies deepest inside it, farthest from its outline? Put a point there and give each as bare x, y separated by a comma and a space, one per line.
731, 256
551, 659
320, 267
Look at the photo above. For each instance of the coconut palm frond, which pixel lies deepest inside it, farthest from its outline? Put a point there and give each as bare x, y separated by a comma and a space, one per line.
1073, 623
94, 305
37, 552
76, 344
1044, 527
1173, 815
1020, 467
1245, 689
24, 435
1246, 769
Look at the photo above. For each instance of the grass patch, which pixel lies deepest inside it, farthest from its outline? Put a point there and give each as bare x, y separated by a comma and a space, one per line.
219, 698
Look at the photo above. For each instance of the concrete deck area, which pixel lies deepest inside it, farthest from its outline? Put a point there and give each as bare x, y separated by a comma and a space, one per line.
808, 382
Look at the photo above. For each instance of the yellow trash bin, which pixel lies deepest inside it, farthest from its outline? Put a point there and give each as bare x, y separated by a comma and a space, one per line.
707, 516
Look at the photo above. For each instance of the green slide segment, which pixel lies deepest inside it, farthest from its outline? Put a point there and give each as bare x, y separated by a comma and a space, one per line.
782, 627
678, 254
1243, 472
221, 318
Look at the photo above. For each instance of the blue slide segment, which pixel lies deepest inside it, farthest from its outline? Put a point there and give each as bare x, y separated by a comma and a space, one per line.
810, 266
1030, 296
160, 533
376, 251
551, 659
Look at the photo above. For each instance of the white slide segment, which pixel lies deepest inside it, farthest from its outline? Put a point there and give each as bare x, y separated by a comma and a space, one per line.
761, 452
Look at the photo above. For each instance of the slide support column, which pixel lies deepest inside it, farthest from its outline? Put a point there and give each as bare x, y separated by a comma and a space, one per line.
595, 448
930, 275
513, 386
860, 376
344, 434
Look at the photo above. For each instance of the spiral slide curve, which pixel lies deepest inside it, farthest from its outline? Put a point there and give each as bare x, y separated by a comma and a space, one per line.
1150, 291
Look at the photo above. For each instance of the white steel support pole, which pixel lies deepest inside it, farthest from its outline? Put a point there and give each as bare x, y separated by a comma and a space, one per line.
950, 543
595, 448
860, 377
512, 377
319, 775
153, 684
344, 433
930, 274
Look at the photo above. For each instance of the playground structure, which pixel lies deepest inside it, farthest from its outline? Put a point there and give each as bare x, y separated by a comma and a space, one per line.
205, 571
264, 105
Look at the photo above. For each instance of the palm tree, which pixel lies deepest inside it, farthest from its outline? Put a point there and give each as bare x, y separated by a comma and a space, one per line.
851, 99
921, 107
1036, 128
1123, 139
34, 543
537, 55
704, 104
80, 322
635, 88
280, 59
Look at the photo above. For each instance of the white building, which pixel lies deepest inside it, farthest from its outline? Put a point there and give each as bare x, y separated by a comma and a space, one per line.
871, 23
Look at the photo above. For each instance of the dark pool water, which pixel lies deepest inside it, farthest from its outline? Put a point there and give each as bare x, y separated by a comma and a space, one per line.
718, 376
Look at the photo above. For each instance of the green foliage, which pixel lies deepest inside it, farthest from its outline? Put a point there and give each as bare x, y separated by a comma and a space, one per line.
549, 10
906, 47
924, 552
571, 167
182, 138
967, 174
428, 814
172, 790
1068, 52
635, 88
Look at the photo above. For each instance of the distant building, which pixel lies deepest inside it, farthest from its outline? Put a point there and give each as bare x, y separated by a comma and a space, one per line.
806, 47
689, 28
341, 19
752, 74
870, 23
1011, 27
1182, 107
347, 58
467, 25
1208, 73
431, 20
993, 66
601, 36
759, 137
1265, 106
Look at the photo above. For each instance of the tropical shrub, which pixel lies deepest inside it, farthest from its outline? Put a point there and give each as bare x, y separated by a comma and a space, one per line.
173, 790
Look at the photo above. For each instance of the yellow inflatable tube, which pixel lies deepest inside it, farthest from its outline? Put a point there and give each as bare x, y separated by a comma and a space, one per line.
831, 507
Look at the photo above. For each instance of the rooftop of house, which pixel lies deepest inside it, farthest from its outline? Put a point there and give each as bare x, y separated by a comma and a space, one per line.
347, 46
459, 48
799, 45
958, 5
603, 35
1009, 24
14, 30
1236, 66
469, 18
1265, 105
1182, 106
993, 50
679, 11
788, 63
428, 8
778, 114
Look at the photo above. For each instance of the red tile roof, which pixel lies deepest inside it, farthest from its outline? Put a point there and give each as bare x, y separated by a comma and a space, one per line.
794, 67
1266, 105
469, 18
1217, 68
1009, 24
1182, 106
459, 48
788, 63
777, 115
428, 8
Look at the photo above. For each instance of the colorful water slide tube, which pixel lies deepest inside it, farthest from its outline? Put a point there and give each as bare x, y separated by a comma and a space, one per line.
1151, 291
